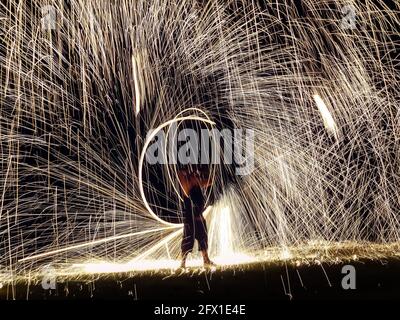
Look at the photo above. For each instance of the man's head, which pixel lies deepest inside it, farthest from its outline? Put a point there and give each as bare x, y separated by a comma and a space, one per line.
191, 172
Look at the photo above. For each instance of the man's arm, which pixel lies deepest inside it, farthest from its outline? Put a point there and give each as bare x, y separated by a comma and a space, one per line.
183, 179
204, 180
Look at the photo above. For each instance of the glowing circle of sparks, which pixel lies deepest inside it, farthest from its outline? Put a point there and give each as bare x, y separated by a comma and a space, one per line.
141, 160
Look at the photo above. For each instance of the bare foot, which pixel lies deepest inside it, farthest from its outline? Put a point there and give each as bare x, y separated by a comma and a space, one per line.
209, 264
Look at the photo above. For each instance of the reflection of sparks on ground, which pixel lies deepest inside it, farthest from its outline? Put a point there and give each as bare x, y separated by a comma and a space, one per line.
308, 254
159, 264
312, 253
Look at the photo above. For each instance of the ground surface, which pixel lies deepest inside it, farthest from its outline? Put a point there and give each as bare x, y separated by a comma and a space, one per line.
262, 281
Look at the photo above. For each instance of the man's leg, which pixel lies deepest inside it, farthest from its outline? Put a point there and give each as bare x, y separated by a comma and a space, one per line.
202, 238
187, 242
206, 259
183, 261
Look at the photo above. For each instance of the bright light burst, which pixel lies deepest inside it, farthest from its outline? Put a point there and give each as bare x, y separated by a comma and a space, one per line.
78, 101
329, 123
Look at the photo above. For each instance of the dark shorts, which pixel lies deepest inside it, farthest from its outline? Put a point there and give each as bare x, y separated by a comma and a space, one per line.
194, 229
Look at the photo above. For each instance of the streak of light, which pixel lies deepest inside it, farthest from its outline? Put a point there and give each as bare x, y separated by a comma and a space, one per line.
327, 117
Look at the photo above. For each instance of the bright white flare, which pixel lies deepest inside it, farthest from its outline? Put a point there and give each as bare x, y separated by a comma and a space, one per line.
137, 83
327, 117
225, 230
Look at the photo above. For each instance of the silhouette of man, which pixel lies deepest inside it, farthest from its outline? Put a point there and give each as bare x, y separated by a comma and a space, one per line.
192, 182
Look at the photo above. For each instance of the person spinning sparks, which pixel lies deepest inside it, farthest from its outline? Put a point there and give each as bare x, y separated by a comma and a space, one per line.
194, 224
